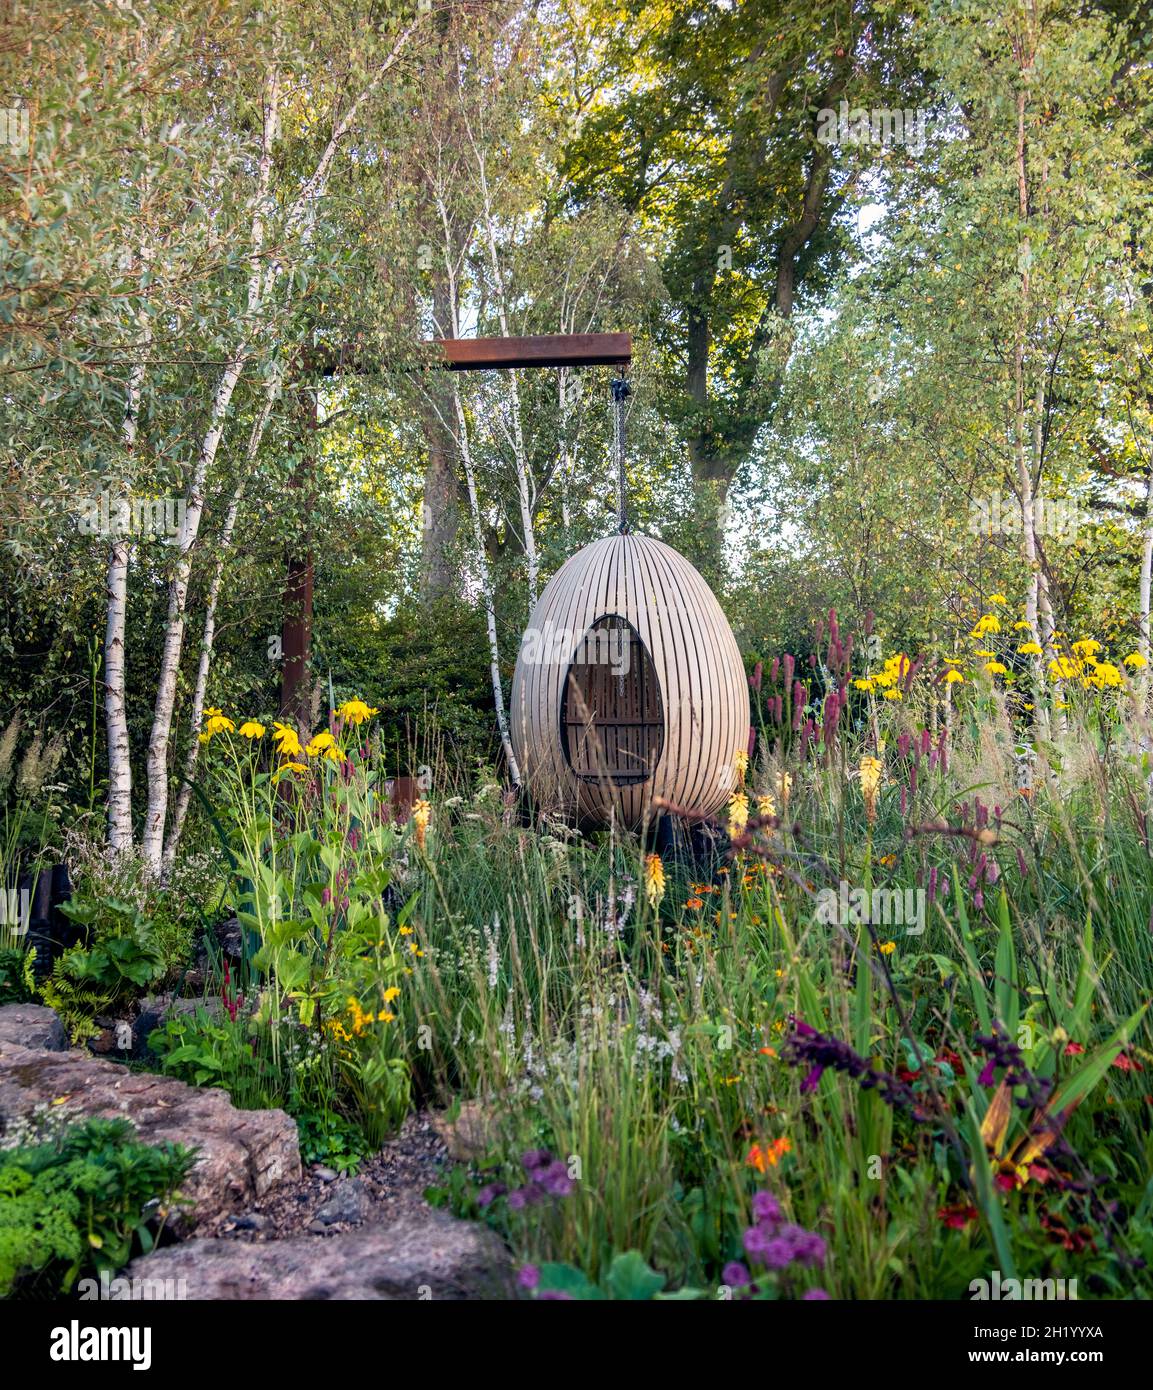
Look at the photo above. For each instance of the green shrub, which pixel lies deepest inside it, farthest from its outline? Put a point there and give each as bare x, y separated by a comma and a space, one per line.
16, 982
119, 959
86, 1198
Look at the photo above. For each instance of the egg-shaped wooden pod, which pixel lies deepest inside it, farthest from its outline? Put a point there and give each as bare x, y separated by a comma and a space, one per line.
629, 686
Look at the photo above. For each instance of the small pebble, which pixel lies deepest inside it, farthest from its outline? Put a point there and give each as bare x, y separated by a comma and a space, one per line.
251, 1221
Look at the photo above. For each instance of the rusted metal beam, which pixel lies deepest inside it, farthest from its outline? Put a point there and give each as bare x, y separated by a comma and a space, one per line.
544, 350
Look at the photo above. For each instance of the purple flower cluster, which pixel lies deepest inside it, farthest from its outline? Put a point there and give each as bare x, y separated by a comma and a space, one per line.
806, 1047
1004, 1054
545, 1177
775, 1244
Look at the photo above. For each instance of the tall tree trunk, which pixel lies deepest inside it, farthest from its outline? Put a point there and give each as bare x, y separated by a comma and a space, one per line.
298, 226
207, 641
115, 710
524, 484
152, 842
1021, 431
485, 585
440, 519
296, 624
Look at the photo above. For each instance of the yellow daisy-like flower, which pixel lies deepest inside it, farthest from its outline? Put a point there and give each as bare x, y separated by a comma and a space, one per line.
1022, 626
287, 740
996, 668
738, 814
1108, 674
864, 684
988, 622
354, 712
251, 729
1029, 649
654, 879
1136, 661
997, 598
887, 948
893, 694
216, 723
953, 677
1087, 646
1063, 668
324, 744
390, 994
288, 767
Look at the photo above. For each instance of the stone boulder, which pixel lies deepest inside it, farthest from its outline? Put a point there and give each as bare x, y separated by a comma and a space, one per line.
244, 1154
32, 1026
423, 1255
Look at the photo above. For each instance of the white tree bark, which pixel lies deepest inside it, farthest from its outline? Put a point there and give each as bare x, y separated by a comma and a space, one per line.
152, 843
207, 641
524, 487
116, 585
299, 223
485, 585
465, 447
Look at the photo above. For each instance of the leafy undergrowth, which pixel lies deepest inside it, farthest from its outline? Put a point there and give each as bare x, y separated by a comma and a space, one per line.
892, 1041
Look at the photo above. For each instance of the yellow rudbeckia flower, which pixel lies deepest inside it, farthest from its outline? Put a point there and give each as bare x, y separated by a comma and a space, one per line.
287, 741
354, 712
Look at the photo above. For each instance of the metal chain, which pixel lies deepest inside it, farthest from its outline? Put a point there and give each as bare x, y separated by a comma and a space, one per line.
621, 392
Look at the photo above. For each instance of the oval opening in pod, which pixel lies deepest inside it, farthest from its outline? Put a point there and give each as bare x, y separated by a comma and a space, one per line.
612, 715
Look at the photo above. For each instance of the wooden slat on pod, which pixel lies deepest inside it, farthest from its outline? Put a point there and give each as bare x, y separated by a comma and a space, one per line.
629, 686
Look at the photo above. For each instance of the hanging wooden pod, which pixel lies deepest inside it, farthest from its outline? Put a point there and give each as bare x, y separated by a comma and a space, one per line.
629, 686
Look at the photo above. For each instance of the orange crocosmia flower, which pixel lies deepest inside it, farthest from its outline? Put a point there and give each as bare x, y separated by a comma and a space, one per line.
1126, 1063
769, 1156
695, 903
767, 1051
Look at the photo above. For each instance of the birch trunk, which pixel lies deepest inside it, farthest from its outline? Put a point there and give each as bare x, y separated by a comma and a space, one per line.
465, 447
524, 488
299, 222
152, 842
1020, 426
199, 694
115, 713
486, 585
